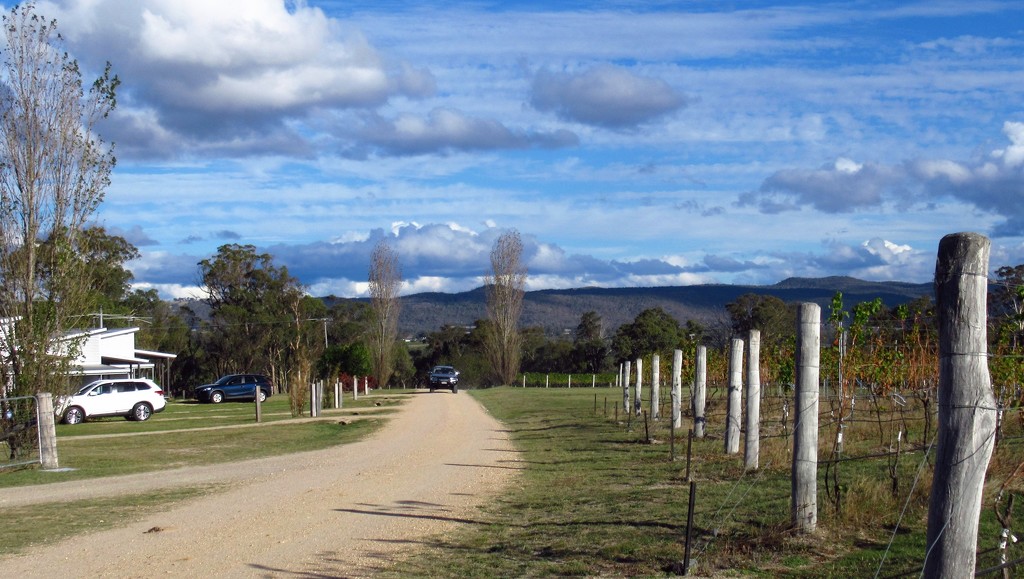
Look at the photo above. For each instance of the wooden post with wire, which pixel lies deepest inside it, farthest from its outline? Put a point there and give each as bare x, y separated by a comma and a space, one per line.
967, 408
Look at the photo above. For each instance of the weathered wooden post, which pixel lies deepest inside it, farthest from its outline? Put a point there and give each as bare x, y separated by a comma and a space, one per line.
677, 388
638, 398
46, 422
655, 387
355, 388
804, 483
967, 409
734, 404
258, 405
700, 384
314, 409
570, 381
752, 447
625, 388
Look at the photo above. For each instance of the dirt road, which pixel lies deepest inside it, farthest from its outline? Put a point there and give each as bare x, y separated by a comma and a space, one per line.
340, 512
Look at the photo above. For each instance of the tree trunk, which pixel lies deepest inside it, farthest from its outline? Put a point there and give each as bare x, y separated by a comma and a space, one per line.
734, 413
804, 480
752, 448
967, 411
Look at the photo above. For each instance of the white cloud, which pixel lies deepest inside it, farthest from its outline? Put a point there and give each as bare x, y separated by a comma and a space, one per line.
605, 96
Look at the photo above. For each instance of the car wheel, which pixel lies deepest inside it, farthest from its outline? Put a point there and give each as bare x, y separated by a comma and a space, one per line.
455, 389
74, 415
141, 412
216, 397
262, 395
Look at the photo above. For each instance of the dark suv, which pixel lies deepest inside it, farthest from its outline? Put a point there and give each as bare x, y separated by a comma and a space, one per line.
235, 387
444, 377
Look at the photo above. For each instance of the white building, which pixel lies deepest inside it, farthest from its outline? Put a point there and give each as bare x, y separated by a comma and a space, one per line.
111, 353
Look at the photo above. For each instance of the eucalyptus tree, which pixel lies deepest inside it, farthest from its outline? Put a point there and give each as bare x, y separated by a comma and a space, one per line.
257, 312
54, 171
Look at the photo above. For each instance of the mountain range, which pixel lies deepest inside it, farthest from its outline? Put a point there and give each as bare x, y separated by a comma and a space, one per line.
559, 311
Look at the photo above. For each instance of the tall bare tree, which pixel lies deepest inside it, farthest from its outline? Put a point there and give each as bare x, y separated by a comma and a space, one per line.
505, 291
54, 170
385, 283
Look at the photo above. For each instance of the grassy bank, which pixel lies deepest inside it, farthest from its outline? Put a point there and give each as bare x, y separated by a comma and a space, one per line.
598, 496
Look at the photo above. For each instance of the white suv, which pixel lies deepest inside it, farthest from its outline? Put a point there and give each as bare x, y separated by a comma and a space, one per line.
135, 399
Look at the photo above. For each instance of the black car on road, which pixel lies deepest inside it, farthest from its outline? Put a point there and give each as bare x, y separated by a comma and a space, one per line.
444, 377
235, 387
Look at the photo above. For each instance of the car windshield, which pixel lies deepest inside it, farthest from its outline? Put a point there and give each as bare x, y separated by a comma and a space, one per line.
85, 389
224, 380
444, 370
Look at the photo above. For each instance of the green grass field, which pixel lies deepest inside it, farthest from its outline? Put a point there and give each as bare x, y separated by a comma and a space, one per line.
597, 493
599, 497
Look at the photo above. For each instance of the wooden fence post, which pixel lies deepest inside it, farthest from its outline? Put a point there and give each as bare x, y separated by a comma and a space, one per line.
804, 477
638, 398
355, 388
752, 447
625, 387
967, 409
734, 404
677, 388
655, 387
46, 423
700, 383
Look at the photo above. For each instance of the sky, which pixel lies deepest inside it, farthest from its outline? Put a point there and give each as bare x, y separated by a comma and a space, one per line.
629, 143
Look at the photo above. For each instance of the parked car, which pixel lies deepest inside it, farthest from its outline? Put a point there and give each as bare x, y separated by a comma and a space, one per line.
444, 377
235, 387
135, 399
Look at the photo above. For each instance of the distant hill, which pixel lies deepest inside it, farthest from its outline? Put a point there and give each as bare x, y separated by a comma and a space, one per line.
559, 310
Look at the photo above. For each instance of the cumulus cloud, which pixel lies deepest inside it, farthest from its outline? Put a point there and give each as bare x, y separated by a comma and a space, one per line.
843, 186
993, 182
233, 75
605, 96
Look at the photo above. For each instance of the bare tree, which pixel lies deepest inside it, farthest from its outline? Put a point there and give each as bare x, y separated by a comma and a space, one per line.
53, 174
505, 291
385, 282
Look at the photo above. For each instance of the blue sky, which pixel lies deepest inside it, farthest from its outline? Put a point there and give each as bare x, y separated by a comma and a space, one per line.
630, 143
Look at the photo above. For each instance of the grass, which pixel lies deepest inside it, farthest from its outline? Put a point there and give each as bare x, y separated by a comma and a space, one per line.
47, 523
149, 450
164, 441
597, 497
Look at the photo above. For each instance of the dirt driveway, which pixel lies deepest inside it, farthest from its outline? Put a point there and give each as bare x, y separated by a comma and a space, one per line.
339, 512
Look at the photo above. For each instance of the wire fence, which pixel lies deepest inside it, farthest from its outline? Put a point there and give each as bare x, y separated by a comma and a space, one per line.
19, 432
865, 440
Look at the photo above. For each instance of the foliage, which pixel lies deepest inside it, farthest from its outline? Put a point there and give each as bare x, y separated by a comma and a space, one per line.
505, 287
774, 318
53, 174
653, 331
385, 281
249, 299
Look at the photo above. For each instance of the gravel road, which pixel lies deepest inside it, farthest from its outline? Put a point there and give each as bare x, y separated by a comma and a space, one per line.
341, 512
